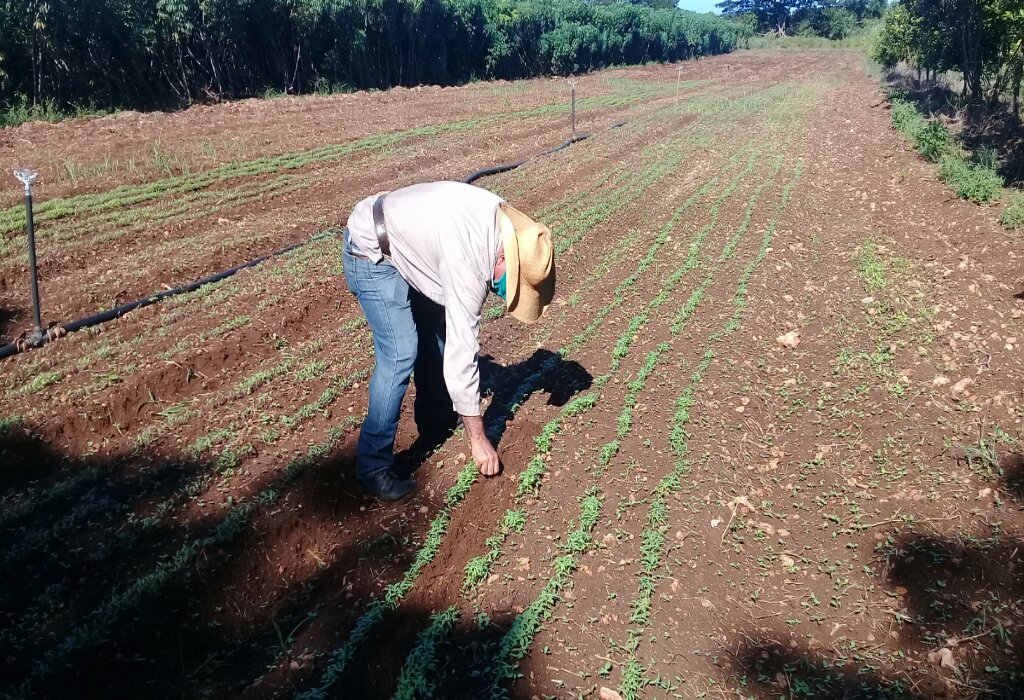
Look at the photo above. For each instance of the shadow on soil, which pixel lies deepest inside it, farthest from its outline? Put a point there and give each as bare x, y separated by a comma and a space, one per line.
957, 591
8, 319
982, 126
561, 381
188, 601
222, 598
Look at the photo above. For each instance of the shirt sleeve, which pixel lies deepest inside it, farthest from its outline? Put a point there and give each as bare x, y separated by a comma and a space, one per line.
464, 297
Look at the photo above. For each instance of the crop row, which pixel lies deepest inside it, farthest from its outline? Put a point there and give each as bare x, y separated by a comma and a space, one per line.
13, 218
623, 194
414, 571
517, 641
203, 203
375, 611
43, 380
521, 636
415, 680
90, 232
294, 268
98, 623
310, 264
652, 540
174, 418
653, 357
135, 527
374, 615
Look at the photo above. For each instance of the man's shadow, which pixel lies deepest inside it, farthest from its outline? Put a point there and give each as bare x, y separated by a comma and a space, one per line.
512, 385
509, 387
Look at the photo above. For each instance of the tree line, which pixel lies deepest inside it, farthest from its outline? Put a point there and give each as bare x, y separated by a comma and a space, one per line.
155, 53
831, 19
983, 40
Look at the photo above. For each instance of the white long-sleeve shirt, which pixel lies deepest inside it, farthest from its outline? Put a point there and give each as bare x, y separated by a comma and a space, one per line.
444, 239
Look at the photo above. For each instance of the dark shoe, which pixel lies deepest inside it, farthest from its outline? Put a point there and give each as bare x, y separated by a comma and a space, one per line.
385, 486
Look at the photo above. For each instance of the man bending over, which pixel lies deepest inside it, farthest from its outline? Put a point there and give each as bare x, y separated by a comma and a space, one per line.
421, 260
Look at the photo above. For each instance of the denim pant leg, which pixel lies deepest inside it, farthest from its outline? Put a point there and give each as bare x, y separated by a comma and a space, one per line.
383, 295
433, 406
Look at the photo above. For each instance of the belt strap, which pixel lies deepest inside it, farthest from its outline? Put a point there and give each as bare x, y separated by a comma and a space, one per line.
380, 228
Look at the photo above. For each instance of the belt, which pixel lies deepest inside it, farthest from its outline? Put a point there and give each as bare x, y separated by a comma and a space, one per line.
379, 226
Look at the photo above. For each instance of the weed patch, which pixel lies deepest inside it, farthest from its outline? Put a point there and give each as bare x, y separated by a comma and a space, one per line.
972, 181
1013, 215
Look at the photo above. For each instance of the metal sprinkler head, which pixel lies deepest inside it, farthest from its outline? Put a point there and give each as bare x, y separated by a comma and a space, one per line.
26, 177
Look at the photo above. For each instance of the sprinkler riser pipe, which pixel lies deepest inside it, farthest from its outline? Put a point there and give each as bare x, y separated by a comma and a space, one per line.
37, 336
574, 111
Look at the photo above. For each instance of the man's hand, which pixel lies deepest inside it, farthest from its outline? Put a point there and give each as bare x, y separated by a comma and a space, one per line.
484, 454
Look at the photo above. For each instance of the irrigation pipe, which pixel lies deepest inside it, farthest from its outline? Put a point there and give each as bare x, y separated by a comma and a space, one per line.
60, 330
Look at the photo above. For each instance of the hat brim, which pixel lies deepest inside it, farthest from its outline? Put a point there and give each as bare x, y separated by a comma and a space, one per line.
524, 302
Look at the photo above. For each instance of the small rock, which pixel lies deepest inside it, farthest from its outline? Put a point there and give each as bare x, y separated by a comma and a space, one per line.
961, 386
943, 657
789, 340
608, 694
787, 561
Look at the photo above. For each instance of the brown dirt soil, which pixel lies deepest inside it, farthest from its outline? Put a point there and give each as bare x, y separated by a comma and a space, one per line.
833, 517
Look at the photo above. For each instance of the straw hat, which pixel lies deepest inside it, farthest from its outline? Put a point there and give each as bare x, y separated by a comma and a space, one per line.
529, 264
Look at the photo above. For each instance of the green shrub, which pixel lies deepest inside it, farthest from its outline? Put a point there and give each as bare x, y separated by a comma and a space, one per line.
934, 141
21, 111
987, 157
905, 117
1013, 216
835, 23
971, 180
931, 137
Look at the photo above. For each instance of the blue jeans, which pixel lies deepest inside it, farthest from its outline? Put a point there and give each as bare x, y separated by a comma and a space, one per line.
408, 334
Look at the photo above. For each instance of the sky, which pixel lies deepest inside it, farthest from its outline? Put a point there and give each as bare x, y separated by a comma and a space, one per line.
700, 5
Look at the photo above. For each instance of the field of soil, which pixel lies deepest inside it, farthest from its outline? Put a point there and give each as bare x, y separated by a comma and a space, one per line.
765, 444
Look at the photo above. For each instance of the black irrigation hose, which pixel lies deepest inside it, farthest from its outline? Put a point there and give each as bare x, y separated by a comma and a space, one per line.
110, 314
505, 167
118, 311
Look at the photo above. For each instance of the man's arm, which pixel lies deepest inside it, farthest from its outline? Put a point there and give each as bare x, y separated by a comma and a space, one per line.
464, 297
484, 454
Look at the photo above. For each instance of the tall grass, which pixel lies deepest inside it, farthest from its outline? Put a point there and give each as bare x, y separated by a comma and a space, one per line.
22, 111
